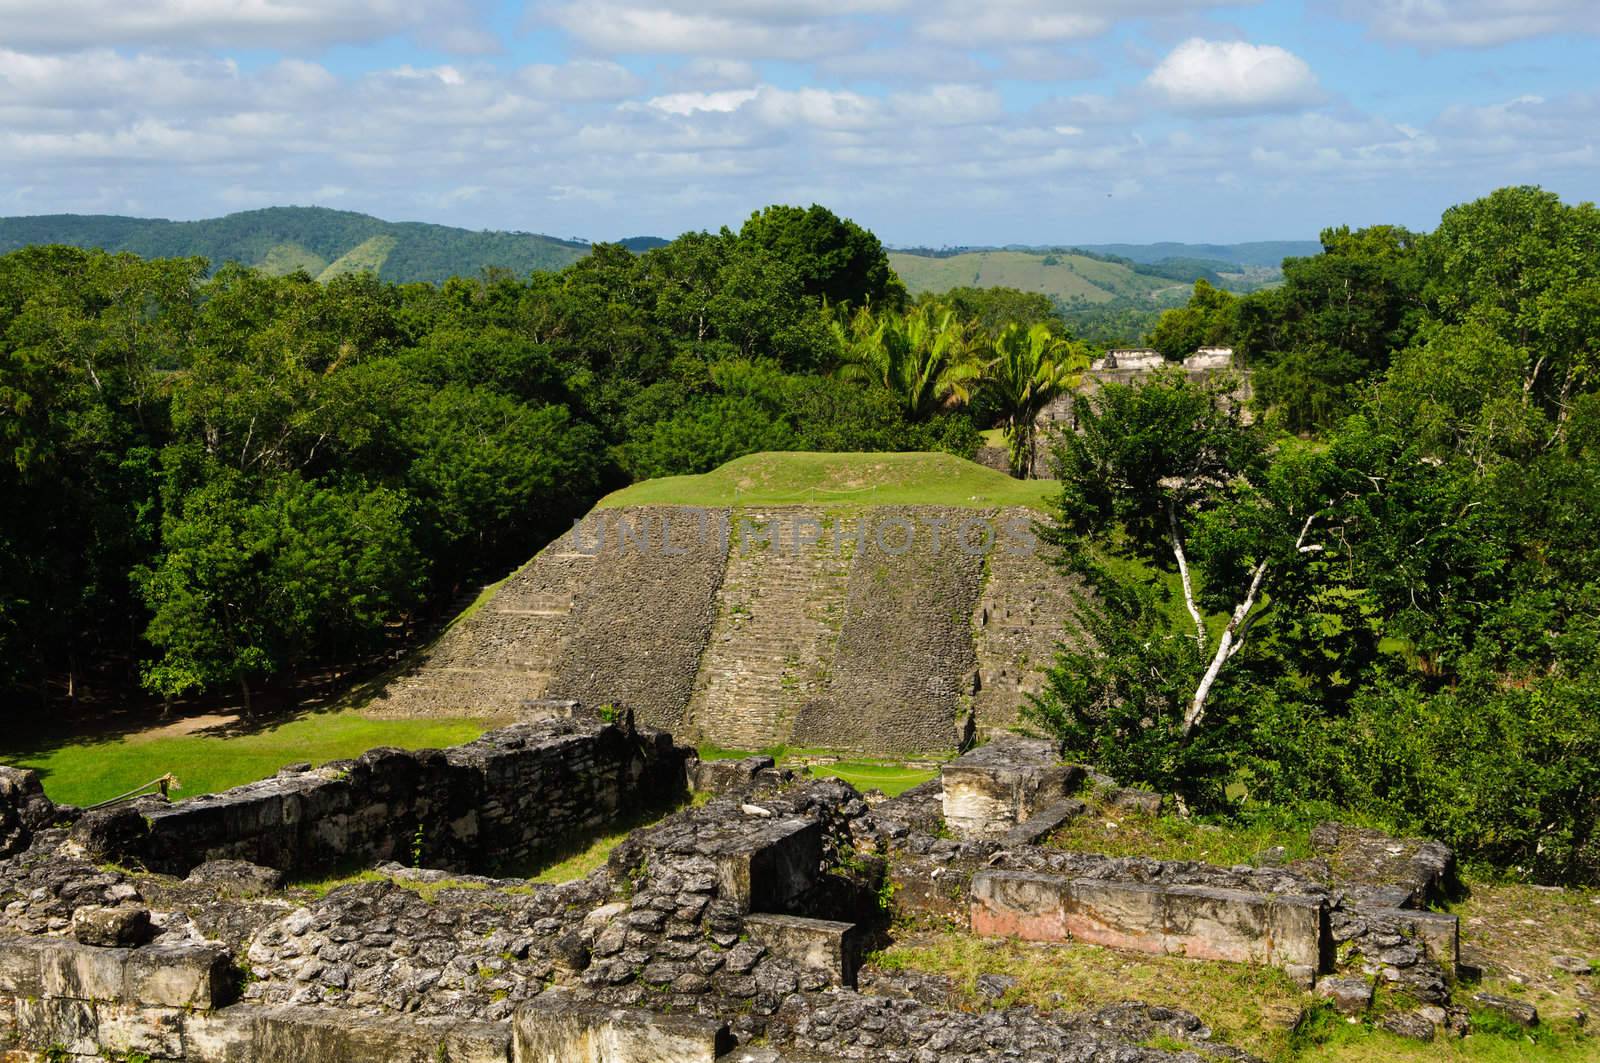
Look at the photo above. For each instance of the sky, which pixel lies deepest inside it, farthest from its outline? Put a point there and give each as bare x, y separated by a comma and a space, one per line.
932, 122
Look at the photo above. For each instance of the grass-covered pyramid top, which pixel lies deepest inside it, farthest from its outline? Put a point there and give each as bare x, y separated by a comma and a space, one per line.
839, 480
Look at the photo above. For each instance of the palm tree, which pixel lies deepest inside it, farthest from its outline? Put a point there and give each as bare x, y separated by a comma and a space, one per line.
926, 356
1031, 367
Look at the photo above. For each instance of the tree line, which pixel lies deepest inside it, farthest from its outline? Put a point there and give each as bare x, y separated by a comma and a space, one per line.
212, 482
1381, 594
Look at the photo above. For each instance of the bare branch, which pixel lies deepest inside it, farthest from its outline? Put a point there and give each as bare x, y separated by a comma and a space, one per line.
1183, 575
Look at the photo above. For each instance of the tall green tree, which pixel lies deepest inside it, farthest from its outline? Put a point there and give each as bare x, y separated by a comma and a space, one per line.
926, 357
1031, 367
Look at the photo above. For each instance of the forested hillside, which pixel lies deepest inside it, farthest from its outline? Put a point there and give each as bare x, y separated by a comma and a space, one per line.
325, 243
1376, 597
215, 483
1384, 590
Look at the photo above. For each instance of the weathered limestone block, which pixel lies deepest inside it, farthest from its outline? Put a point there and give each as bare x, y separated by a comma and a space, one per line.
1044, 823
179, 976
1438, 931
1019, 904
553, 1030
1350, 996
1119, 915
237, 878
175, 976
934, 886
819, 944
316, 1035
24, 809
81, 972
995, 787
1196, 921
123, 926
730, 776
762, 865
1243, 927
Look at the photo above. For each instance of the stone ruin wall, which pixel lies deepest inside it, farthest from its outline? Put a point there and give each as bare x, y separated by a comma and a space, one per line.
506, 799
752, 645
728, 933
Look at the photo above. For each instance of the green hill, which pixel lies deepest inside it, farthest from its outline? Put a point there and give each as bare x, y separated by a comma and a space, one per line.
1265, 254
791, 478
1074, 280
320, 241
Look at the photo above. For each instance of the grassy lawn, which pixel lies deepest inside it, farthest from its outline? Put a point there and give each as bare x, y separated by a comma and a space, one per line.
1126, 833
840, 481
87, 770
893, 777
1254, 1008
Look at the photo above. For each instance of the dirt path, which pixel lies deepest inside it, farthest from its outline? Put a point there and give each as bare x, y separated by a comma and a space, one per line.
186, 726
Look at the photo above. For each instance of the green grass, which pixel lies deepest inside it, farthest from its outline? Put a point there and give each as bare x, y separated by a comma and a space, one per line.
285, 258
893, 777
840, 481
1254, 1008
1127, 833
84, 771
367, 256
1069, 278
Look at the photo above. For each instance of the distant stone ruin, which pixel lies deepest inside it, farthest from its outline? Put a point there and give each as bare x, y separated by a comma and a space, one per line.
1357, 911
730, 931
883, 629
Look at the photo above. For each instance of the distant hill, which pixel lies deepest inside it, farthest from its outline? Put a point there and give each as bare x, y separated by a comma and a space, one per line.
1072, 280
1268, 254
639, 244
325, 243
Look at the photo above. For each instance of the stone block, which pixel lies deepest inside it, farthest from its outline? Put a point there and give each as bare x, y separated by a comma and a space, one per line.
1518, 1011
932, 886
762, 869
20, 966
1350, 996
995, 787
72, 1024
1044, 822
730, 776
1195, 921
1121, 915
1019, 904
127, 1029
82, 972
223, 1036
237, 878
819, 944
1440, 933
552, 1029
122, 926
1217, 924
177, 976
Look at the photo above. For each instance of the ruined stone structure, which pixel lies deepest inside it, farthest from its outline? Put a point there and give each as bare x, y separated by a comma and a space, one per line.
729, 931
1359, 908
878, 629
1135, 366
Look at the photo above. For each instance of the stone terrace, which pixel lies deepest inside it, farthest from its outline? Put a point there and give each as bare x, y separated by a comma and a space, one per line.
729, 931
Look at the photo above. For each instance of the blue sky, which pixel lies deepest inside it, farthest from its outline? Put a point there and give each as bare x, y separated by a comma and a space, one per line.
930, 121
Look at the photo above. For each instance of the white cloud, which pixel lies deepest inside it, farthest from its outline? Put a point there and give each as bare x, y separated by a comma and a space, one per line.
1472, 23
583, 79
1233, 77
715, 74
1032, 22
290, 24
682, 103
949, 105
719, 29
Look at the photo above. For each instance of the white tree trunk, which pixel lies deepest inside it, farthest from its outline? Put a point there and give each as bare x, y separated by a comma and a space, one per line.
1183, 574
1225, 646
